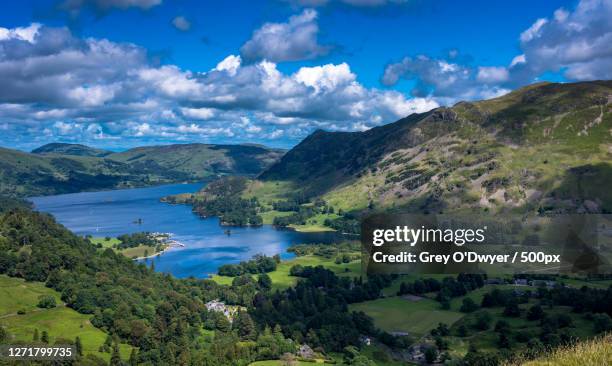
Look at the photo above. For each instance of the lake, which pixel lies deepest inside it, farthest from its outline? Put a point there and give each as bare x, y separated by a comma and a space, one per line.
207, 246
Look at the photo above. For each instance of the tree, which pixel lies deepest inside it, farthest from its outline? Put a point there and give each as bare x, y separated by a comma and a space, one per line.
503, 341
462, 331
79, 346
445, 302
44, 337
4, 335
483, 320
502, 326
46, 302
264, 281
468, 306
222, 323
133, 357
245, 326
603, 323
106, 346
431, 354
512, 309
35, 337
535, 313
288, 359
441, 343
115, 356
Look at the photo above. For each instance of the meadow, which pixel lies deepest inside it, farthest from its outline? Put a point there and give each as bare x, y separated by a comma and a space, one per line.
136, 252
61, 322
281, 279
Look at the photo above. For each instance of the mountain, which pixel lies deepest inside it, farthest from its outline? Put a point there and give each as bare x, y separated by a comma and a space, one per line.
547, 146
70, 149
198, 159
63, 168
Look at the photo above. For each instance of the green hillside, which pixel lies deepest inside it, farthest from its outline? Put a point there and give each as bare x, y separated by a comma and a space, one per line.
70, 149
546, 147
21, 317
65, 168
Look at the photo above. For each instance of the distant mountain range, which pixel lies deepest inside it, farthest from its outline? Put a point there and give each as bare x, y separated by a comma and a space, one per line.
544, 147
70, 149
63, 168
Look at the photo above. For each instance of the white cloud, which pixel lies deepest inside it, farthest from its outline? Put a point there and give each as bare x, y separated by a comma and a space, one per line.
533, 31
577, 42
325, 78
61, 85
230, 64
171, 80
198, 113
93, 95
181, 23
520, 59
21, 33
291, 41
492, 74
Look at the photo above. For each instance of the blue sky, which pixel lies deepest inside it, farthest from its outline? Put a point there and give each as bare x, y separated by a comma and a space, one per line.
123, 73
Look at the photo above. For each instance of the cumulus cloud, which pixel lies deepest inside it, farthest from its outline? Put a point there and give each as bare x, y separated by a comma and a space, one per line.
447, 79
578, 43
492, 74
291, 41
57, 85
181, 23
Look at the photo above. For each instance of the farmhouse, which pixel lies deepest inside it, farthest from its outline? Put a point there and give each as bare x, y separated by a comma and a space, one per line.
220, 307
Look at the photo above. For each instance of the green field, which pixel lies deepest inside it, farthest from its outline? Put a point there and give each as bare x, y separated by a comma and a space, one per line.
396, 314
136, 252
268, 192
16, 294
59, 322
487, 340
282, 280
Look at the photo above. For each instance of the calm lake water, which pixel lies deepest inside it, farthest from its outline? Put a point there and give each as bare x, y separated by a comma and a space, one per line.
112, 213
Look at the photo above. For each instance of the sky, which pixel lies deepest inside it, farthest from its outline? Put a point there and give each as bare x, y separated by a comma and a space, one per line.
122, 73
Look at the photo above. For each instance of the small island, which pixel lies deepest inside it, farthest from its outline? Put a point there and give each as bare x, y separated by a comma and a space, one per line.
139, 245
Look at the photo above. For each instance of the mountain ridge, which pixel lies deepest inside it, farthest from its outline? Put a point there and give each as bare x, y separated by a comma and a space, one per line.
47, 171
528, 149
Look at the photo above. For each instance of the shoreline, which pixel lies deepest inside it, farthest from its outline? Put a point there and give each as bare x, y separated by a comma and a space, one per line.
169, 245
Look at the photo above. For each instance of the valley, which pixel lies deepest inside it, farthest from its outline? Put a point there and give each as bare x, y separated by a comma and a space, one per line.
64, 168
272, 237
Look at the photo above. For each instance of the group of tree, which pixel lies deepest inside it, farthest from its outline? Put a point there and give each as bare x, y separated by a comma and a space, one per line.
259, 264
135, 239
222, 198
315, 310
446, 289
328, 251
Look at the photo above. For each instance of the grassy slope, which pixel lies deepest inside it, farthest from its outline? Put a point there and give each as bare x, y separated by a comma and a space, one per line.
396, 314
592, 352
282, 280
268, 192
59, 322
518, 152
